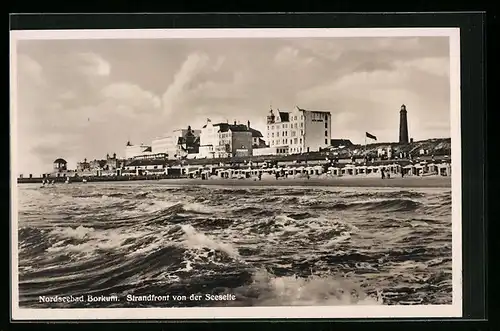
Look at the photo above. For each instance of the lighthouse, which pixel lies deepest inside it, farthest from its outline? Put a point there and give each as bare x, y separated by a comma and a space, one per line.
403, 126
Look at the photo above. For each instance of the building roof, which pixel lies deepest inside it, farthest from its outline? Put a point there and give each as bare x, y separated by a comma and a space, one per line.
239, 128
316, 111
60, 161
216, 124
284, 116
255, 133
338, 142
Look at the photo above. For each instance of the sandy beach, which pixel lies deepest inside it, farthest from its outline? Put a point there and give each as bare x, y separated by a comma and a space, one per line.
340, 182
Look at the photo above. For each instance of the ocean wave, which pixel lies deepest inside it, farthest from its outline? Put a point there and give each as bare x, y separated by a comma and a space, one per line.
379, 205
268, 246
269, 290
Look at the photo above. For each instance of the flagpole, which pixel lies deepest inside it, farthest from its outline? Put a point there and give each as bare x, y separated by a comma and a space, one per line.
365, 147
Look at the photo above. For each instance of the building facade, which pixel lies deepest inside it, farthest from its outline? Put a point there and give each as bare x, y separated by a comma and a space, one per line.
60, 165
132, 151
234, 140
298, 131
209, 139
174, 144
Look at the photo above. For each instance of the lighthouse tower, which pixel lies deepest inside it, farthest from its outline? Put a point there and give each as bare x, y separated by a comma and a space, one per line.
403, 126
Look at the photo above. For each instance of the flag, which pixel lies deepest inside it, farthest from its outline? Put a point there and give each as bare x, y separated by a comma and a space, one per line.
369, 135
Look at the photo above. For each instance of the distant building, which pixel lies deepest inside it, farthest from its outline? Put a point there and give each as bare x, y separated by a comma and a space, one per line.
234, 140
222, 140
97, 164
257, 137
112, 162
209, 139
170, 144
188, 145
134, 150
142, 167
83, 166
299, 131
60, 165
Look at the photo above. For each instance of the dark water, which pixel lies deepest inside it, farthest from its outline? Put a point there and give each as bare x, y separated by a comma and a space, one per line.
266, 245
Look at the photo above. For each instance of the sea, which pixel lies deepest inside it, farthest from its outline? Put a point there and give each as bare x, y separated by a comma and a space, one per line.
170, 245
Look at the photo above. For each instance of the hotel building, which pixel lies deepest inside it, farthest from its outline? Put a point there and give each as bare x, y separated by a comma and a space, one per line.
222, 140
174, 144
132, 151
298, 131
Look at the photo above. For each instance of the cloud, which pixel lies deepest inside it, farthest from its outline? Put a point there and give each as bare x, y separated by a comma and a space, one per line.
30, 69
93, 65
191, 66
289, 56
439, 66
133, 96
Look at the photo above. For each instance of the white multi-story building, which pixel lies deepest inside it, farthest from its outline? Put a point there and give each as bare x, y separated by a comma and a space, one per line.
209, 139
222, 140
298, 131
169, 144
132, 151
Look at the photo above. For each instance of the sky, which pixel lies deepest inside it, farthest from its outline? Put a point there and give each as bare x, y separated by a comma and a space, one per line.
81, 99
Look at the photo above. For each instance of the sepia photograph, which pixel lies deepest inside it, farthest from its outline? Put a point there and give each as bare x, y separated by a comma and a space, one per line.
236, 173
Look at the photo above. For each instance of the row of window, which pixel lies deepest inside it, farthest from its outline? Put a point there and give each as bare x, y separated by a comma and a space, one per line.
319, 116
285, 126
294, 141
296, 150
285, 133
285, 141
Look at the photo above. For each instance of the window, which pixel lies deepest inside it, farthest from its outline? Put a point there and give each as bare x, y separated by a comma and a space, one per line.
301, 132
301, 143
295, 118
272, 134
326, 133
301, 117
268, 127
301, 125
326, 125
272, 127
277, 134
295, 125
295, 140
286, 133
326, 141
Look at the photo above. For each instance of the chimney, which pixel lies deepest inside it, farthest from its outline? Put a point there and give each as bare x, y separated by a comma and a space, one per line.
114, 155
248, 124
234, 122
107, 156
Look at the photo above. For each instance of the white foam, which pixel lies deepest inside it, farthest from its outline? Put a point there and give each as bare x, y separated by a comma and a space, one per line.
196, 240
310, 291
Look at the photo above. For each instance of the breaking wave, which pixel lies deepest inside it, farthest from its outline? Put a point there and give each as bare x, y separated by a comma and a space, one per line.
267, 246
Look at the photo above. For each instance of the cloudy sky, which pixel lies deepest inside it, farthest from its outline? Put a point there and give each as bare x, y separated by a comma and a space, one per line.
86, 98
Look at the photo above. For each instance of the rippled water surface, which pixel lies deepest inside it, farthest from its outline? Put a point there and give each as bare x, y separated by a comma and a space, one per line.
266, 245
